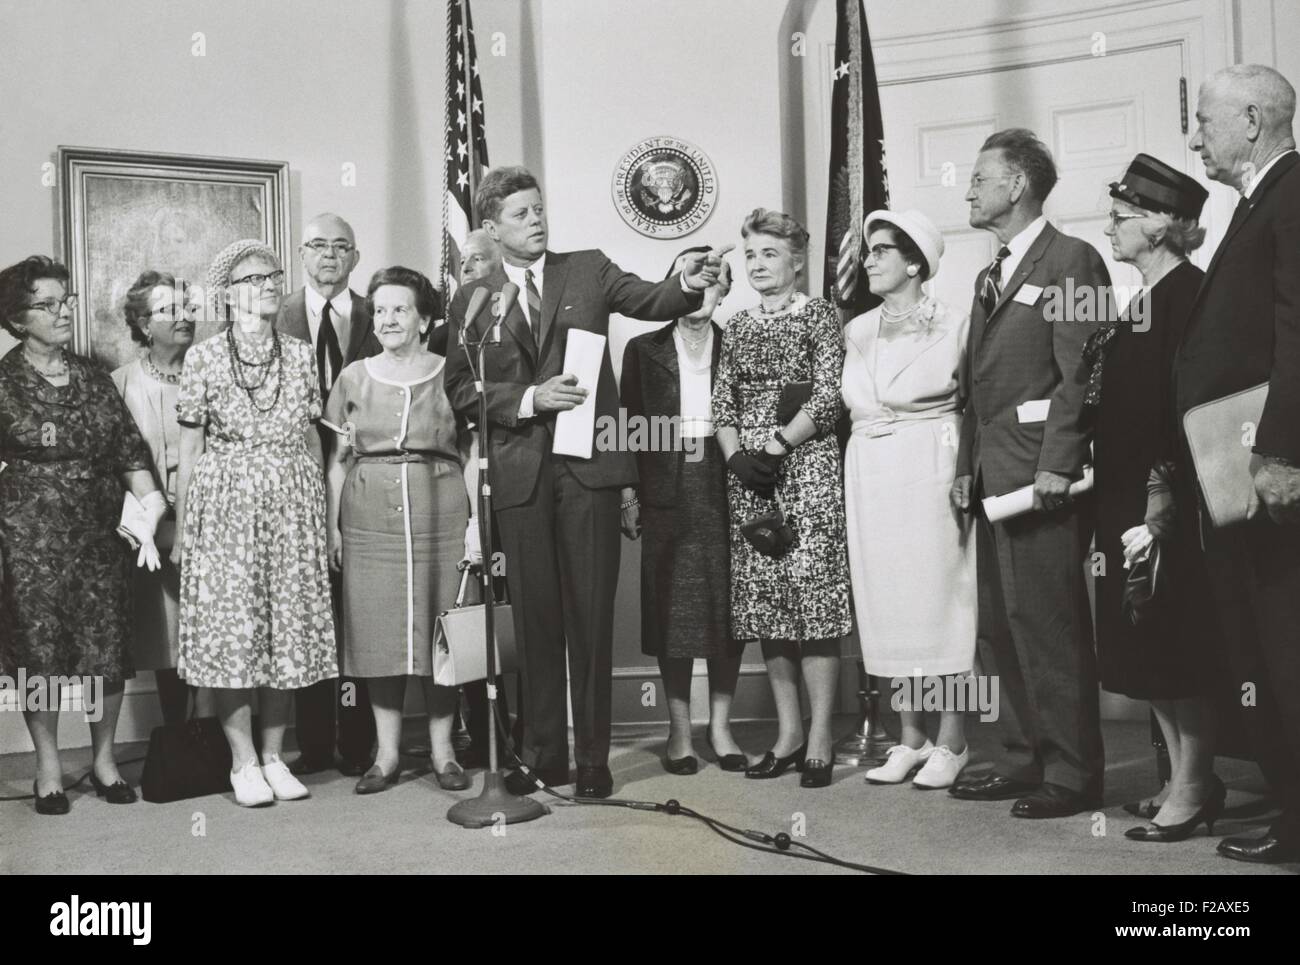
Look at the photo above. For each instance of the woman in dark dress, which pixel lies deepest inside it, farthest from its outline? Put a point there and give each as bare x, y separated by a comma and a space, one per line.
681, 507
1168, 657
68, 450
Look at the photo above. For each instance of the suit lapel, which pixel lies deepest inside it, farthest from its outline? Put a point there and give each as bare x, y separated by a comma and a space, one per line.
1023, 270
662, 350
933, 339
359, 322
553, 279
514, 322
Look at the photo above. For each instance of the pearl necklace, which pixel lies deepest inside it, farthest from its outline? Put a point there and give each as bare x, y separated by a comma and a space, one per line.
897, 316
694, 344
171, 378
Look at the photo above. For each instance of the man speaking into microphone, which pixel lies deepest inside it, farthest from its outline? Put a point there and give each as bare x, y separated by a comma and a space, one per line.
558, 516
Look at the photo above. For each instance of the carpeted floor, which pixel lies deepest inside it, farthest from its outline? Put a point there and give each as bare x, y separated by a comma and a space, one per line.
405, 830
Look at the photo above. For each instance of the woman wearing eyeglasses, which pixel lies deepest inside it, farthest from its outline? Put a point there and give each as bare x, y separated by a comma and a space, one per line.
68, 449
250, 505
400, 479
1169, 656
911, 554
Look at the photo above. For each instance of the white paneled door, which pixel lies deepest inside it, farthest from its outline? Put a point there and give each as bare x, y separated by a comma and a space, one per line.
1094, 113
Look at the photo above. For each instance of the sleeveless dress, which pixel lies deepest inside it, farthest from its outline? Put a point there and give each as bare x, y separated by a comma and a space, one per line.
255, 586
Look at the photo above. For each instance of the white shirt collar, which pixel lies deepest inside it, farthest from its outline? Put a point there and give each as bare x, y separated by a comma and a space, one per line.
340, 304
1020, 244
516, 275
1248, 187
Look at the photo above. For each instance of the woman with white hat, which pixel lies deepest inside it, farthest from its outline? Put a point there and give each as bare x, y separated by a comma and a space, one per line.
911, 555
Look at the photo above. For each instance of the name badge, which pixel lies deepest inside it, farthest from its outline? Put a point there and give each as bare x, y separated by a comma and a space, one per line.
1027, 294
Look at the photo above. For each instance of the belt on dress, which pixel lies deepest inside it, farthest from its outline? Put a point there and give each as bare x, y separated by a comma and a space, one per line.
398, 457
875, 428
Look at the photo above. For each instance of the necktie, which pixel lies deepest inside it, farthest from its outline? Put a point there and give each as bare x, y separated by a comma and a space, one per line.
1243, 206
534, 305
329, 357
992, 289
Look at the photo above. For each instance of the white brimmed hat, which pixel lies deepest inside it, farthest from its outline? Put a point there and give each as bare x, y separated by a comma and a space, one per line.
923, 232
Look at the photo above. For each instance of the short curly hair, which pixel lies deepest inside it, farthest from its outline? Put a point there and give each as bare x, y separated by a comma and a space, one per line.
427, 300
18, 283
778, 224
139, 300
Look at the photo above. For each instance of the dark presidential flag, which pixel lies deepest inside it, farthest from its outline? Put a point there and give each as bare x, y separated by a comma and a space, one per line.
465, 139
858, 179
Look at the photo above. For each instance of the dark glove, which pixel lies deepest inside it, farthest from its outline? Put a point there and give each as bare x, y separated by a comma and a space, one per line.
755, 471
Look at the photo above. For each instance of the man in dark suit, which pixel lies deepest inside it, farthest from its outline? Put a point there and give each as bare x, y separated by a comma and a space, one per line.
558, 516
1245, 330
1024, 425
333, 318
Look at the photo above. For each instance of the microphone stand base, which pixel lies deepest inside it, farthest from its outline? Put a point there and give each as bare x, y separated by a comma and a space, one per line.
495, 805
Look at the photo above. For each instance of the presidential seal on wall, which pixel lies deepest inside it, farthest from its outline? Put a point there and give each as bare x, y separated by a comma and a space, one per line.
665, 187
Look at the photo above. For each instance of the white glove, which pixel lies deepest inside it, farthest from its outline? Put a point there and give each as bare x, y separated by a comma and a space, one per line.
140, 521
1137, 543
473, 546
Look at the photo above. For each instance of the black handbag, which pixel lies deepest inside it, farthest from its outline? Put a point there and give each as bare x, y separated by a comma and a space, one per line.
190, 759
1142, 588
770, 534
794, 396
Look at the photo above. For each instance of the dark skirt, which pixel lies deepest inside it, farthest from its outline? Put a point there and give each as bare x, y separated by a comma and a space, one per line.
686, 566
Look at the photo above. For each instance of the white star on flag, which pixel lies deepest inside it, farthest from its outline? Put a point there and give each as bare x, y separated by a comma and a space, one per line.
462, 179
841, 70
461, 149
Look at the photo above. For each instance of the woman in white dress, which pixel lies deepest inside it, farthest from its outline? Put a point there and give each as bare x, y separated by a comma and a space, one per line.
911, 554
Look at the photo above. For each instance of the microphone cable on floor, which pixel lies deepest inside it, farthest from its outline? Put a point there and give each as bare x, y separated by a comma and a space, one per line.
778, 844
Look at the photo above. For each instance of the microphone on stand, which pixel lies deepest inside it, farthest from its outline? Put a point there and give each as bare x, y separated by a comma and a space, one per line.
509, 295
472, 312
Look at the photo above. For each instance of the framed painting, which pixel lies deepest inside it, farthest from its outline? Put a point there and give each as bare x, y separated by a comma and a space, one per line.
122, 212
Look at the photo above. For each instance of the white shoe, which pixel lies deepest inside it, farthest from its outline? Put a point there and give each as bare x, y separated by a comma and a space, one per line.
251, 789
901, 761
941, 769
284, 785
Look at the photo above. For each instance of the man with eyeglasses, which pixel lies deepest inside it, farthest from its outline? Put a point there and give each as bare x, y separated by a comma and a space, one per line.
1024, 425
333, 318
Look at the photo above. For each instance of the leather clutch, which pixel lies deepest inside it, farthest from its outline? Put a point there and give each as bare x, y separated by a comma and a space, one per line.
794, 395
1218, 435
770, 534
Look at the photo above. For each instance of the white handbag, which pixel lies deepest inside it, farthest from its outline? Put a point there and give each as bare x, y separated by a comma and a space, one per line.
459, 654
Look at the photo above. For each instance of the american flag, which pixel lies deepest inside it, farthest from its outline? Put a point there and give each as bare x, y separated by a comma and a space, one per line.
465, 139
858, 179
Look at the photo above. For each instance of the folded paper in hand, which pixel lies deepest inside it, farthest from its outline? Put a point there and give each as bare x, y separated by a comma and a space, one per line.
1021, 501
576, 428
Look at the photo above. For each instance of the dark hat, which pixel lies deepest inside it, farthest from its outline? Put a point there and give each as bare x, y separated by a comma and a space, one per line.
1152, 184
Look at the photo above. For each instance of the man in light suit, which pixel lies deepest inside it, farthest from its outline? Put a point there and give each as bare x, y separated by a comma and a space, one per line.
333, 318
558, 516
1024, 425
1245, 330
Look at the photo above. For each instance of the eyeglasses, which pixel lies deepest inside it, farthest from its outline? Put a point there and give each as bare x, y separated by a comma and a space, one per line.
1115, 218
319, 247
977, 181
878, 251
54, 306
257, 281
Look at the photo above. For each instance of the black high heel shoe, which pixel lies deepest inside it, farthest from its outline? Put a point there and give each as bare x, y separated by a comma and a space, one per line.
817, 773
119, 792
56, 802
773, 766
1209, 812
729, 762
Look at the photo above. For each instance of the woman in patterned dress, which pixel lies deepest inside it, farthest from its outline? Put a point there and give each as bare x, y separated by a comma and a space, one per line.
400, 478
68, 448
250, 505
786, 457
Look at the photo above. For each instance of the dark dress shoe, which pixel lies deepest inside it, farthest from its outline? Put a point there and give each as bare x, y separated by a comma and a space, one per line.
351, 768
119, 792
1053, 801
681, 765
729, 762
520, 785
995, 787
1209, 812
772, 766
56, 802
452, 777
1270, 849
816, 773
595, 782
375, 780
313, 765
